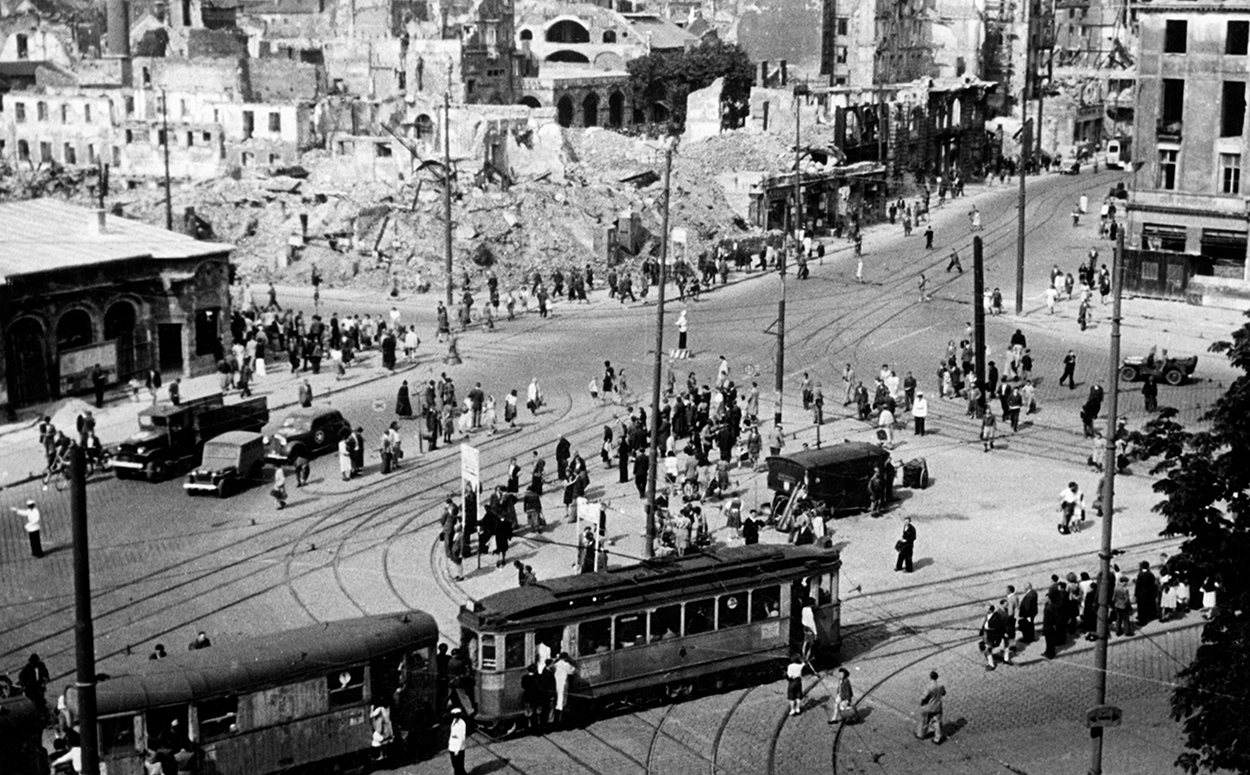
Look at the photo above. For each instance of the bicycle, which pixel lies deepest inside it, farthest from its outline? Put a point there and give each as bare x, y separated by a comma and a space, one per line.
57, 473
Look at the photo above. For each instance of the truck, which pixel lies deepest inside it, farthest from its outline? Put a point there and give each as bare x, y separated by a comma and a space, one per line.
171, 438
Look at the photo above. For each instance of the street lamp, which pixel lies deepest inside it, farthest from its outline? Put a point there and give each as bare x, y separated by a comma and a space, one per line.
800, 90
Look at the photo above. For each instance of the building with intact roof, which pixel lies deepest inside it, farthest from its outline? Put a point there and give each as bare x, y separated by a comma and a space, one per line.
79, 288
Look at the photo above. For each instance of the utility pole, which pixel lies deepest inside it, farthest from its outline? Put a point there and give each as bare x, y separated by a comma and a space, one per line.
1105, 580
800, 91
169, 204
654, 452
978, 320
1025, 144
84, 628
447, 192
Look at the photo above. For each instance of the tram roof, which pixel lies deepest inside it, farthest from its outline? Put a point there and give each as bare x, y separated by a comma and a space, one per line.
645, 582
263, 660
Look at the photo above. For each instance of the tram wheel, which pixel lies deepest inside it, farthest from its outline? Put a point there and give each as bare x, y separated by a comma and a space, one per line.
678, 690
499, 730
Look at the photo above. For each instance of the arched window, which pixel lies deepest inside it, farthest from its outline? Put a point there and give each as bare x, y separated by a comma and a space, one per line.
425, 127
567, 31
527, 34
531, 102
616, 109
609, 36
564, 111
590, 110
74, 330
569, 56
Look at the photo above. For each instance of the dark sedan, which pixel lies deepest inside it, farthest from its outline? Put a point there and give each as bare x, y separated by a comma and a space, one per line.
305, 432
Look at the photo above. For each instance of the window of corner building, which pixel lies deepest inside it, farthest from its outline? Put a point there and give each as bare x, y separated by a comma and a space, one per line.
1233, 109
1230, 173
183, 109
160, 137
86, 113
1175, 36
275, 121
130, 106
217, 718
130, 136
840, 55
346, 686
731, 610
843, 25
207, 137
700, 616
147, 76
71, 154
91, 157
249, 124
206, 330
1236, 38
117, 156
247, 159
594, 636
23, 47
1173, 108
23, 150
65, 114
273, 159
665, 622
41, 111
1167, 169
190, 139
19, 112
45, 152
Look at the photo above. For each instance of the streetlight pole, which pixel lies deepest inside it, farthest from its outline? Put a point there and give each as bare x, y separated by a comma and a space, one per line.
800, 91
1025, 144
84, 627
654, 451
1105, 580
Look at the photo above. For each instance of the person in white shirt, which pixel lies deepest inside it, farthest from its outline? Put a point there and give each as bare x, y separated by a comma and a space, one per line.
456, 740
31, 515
564, 669
920, 412
794, 685
886, 423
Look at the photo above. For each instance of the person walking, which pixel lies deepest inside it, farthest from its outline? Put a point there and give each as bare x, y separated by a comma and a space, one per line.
403, 401
920, 412
989, 429
682, 325
1146, 592
994, 634
931, 702
1122, 607
1027, 613
305, 394
905, 547
99, 379
1150, 393
928, 237
794, 684
923, 283
1069, 370
33, 525
848, 383
844, 699
1069, 498
954, 262
279, 486
456, 741
33, 680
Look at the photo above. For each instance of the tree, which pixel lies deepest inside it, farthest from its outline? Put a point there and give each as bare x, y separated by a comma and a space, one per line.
1206, 493
668, 78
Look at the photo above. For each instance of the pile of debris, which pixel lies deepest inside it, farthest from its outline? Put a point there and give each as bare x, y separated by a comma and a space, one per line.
375, 233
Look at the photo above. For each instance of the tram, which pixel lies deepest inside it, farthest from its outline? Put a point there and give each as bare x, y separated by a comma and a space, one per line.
662, 628
298, 699
21, 729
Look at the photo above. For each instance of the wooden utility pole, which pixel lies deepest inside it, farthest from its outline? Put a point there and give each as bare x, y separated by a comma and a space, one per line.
656, 379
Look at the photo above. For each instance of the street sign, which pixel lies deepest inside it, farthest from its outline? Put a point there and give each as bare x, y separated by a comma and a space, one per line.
1103, 716
470, 468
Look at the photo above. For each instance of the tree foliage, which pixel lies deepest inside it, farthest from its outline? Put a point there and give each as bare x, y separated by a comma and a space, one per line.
1206, 491
668, 78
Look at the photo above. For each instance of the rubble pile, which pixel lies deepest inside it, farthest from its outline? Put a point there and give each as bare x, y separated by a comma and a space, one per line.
375, 233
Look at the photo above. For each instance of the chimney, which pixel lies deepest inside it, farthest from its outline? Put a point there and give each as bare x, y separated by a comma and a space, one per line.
764, 74
118, 17
782, 65
95, 222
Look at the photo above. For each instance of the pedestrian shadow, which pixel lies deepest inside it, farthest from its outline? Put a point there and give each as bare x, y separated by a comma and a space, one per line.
492, 766
922, 563
949, 730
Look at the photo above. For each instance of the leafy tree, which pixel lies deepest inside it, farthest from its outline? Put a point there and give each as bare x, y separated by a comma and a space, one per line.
669, 77
1206, 493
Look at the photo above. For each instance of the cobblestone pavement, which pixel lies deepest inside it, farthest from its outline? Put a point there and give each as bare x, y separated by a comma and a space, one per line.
165, 565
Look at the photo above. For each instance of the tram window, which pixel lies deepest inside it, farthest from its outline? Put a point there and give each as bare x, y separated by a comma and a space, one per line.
631, 630
488, 652
468, 647
828, 587
765, 604
665, 622
732, 610
700, 616
514, 650
548, 643
346, 686
117, 735
218, 718
594, 637
385, 673
167, 727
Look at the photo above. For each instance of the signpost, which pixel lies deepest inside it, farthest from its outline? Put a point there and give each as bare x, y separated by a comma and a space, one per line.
1101, 716
470, 471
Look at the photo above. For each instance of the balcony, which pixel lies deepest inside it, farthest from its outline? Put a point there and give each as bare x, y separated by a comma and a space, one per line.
1168, 131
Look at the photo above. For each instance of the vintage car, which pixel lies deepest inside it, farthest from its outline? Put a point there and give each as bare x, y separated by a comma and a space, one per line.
230, 462
835, 476
1164, 368
305, 432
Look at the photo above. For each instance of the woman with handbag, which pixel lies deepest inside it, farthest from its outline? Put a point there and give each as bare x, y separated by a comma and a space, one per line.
844, 700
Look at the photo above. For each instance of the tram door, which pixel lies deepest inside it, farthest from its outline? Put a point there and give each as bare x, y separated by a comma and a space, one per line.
815, 599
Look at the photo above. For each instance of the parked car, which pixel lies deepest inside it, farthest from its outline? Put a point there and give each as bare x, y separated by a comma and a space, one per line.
1165, 368
305, 432
230, 462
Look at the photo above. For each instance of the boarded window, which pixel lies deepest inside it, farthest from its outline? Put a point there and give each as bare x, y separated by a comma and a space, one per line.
1150, 270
